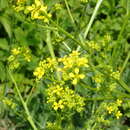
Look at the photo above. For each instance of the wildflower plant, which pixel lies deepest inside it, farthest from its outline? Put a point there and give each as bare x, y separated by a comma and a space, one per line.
18, 55
64, 65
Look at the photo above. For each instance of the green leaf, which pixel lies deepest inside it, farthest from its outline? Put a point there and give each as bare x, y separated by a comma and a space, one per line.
2, 72
20, 35
5, 22
4, 44
3, 4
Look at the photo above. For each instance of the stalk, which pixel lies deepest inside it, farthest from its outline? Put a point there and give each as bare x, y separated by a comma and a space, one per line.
69, 12
29, 117
116, 52
66, 33
92, 18
91, 21
48, 39
125, 63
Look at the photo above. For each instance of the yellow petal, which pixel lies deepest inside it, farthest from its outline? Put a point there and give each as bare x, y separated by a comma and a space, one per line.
76, 70
81, 76
74, 82
38, 3
71, 75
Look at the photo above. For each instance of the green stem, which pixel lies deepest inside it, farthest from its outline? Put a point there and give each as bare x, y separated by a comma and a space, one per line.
48, 39
128, 7
116, 52
69, 12
124, 85
121, 82
90, 88
66, 33
81, 40
92, 18
29, 95
67, 46
93, 108
29, 118
125, 63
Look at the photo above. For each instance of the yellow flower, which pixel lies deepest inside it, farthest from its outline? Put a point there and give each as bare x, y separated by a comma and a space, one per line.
38, 2
112, 86
74, 81
43, 8
119, 102
74, 53
59, 105
84, 1
98, 78
28, 58
76, 76
82, 62
62, 97
116, 75
110, 109
15, 51
118, 114
71, 75
9, 102
53, 126
81, 76
76, 70
30, 8
11, 58
14, 64
55, 106
94, 45
18, 8
107, 37
73, 60
58, 6
39, 72
38, 11
20, 1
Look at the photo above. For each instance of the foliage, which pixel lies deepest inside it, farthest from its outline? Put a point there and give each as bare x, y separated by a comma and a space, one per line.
54, 75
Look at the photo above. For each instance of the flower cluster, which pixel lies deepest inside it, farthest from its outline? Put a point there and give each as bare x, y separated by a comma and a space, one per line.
47, 65
20, 1
107, 38
84, 1
37, 10
58, 6
53, 126
113, 108
63, 98
101, 119
9, 102
94, 46
98, 78
75, 76
116, 75
20, 5
112, 86
17, 55
71, 67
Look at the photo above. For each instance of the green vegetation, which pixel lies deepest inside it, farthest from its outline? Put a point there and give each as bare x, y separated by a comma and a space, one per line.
64, 64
